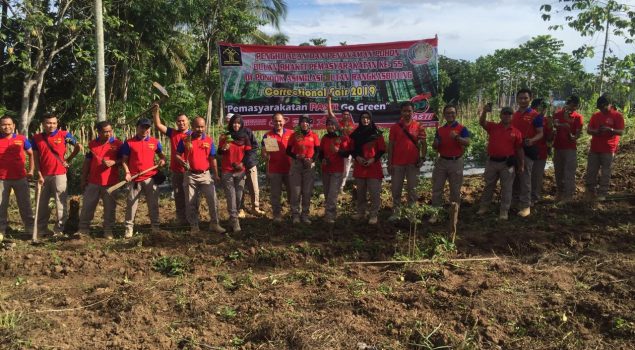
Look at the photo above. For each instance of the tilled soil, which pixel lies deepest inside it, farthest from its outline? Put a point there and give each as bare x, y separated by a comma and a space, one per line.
561, 279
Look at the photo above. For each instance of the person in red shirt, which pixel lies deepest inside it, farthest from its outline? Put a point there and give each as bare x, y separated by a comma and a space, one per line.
49, 150
567, 124
177, 172
138, 155
505, 151
406, 154
232, 147
367, 146
538, 168
605, 128
450, 141
278, 162
333, 151
304, 149
347, 126
196, 154
100, 171
530, 125
14, 149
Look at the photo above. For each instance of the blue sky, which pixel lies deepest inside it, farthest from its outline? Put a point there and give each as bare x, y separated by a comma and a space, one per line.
467, 29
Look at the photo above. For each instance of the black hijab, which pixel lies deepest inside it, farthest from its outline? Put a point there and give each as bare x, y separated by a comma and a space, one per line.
364, 134
240, 136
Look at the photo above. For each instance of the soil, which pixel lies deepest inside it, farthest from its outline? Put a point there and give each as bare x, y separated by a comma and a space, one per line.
562, 279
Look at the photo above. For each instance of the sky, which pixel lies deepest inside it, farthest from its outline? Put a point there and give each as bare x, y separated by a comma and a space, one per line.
467, 29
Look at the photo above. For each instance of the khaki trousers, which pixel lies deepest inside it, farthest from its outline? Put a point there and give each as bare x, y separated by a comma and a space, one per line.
411, 174
372, 187
233, 185
177, 180
276, 181
565, 163
301, 182
149, 189
91, 197
537, 177
332, 184
452, 171
251, 186
54, 186
493, 172
22, 195
521, 190
602, 163
193, 185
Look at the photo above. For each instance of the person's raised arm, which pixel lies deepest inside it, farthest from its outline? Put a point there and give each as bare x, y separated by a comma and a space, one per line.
156, 118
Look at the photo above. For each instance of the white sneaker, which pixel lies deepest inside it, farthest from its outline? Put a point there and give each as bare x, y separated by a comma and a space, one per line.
393, 217
236, 226
372, 220
217, 228
307, 221
433, 219
1, 237
108, 234
503, 216
296, 220
82, 232
523, 213
258, 211
242, 214
129, 232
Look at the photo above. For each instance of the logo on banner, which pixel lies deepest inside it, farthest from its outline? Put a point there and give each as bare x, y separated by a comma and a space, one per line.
230, 56
421, 53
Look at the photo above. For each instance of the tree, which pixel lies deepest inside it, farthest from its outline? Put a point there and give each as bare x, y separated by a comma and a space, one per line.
318, 41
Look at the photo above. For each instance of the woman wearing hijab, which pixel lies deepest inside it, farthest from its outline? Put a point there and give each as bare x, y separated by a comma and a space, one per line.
367, 145
232, 147
333, 152
303, 148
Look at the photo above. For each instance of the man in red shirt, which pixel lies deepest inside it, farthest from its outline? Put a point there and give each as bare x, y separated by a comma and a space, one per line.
137, 155
176, 169
49, 149
505, 151
278, 162
530, 125
333, 150
568, 127
100, 171
450, 141
14, 149
406, 154
605, 128
196, 153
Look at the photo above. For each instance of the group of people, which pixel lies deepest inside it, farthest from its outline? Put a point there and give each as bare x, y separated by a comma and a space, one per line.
518, 146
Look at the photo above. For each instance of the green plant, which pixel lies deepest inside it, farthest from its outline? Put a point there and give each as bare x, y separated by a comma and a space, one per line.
226, 312
414, 214
227, 282
171, 265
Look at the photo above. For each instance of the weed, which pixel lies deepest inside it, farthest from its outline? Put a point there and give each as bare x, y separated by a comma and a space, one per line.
227, 282
226, 313
622, 326
19, 281
235, 255
385, 289
171, 265
414, 214
56, 259
357, 288
290, 302
237, 341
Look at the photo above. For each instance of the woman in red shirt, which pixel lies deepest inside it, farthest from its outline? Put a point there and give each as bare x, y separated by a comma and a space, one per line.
232, 147
367, 147
333, 151
303, 148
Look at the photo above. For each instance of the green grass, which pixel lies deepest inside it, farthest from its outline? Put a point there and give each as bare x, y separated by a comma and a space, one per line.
171, 266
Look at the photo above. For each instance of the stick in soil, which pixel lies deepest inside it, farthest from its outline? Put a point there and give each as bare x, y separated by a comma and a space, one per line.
426, 261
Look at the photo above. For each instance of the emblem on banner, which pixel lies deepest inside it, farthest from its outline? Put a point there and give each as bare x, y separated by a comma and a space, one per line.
230, 56
421, 53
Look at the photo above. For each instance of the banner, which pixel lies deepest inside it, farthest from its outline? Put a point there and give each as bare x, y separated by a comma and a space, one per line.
259, 80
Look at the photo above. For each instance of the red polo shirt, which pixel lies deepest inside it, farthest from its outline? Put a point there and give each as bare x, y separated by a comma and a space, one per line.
527, 122
196, 151
606, 142
332, 162
543, 148
574, 124
234, 154
304, 144
503, 141
447, 145
370, 150
404, 151
279, 161
140, 152
175, 137
13, 157
98, 173
49, 162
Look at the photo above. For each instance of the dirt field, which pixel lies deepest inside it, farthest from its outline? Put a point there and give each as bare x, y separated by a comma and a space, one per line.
564, 279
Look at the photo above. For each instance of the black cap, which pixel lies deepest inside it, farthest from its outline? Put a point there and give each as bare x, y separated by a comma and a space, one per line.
144, 122
305, 118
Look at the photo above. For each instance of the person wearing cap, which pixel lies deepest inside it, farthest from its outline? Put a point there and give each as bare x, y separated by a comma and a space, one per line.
605, 127
568, 124
530, 124
450, 141
100, 171
367, 146
505, 152
304, 149
177, 172
406, 154
233, 145
347, 126
196, 153
538, 169
137, 155
14, 150
278, 163
51, 163
333, 151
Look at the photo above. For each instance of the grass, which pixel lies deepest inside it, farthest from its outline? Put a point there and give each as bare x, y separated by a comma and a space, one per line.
171, 266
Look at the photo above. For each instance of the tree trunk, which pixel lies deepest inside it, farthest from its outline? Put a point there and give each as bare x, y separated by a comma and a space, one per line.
606, 41
5, 7
101, 79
